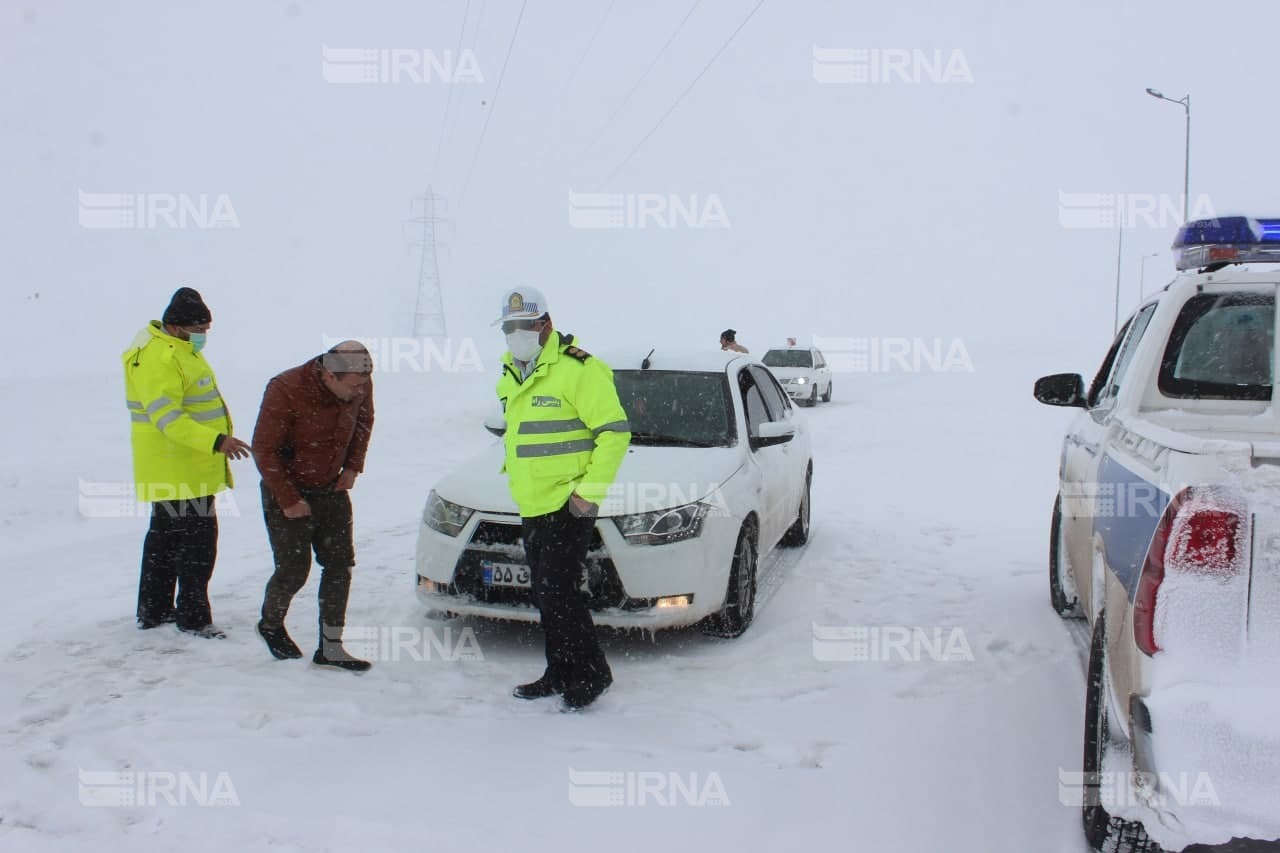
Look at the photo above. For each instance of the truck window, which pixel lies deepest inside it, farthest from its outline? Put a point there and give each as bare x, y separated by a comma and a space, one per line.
1222, 348
1124, 357
1100, 378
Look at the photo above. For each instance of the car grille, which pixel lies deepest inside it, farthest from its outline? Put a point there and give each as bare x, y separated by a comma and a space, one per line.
493, 540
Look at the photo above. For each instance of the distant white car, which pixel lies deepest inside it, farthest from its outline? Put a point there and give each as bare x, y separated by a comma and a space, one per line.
803, 373
717, 475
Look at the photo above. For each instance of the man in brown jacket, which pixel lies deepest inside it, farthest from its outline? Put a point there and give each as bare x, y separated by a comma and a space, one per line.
310, 442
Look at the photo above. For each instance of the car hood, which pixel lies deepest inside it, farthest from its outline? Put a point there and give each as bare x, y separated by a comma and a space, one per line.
650, 477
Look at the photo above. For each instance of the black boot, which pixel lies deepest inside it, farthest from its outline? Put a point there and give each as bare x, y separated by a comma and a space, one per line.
540, 689
146, 623
279, 642
581, 695
208, 632
333, 654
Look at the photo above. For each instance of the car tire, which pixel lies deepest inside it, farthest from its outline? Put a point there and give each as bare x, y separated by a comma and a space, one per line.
1065, 604
826, 398
813, 397
740, 597
1104, 832
798, 533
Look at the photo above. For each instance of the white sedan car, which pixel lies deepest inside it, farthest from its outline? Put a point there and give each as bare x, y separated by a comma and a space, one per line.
717, 475
803, 372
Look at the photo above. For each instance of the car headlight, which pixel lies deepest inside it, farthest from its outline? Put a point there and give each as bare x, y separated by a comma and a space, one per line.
800, 380
662, 526
445, 516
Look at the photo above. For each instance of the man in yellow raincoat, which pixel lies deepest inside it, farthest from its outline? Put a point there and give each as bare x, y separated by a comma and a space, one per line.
182, 440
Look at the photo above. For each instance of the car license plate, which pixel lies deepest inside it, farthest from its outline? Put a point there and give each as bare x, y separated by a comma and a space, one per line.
505, 574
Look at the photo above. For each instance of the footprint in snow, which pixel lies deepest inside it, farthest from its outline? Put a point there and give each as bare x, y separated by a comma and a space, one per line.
23, 652
43, 717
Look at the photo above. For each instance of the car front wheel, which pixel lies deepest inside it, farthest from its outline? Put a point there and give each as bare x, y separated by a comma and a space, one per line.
740, 597
826, 398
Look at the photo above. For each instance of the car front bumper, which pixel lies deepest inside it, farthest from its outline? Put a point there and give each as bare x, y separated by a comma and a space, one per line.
651, 587
799, 392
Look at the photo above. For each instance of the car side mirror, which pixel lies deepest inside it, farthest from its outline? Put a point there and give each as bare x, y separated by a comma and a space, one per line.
1061, 389
496, 424
771, 433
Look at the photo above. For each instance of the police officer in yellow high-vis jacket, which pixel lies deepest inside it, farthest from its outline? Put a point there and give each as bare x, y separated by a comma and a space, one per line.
566, 436
181, 436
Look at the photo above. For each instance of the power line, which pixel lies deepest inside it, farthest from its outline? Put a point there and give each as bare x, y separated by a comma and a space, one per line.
653, 64
528, 151
682, 95
493, 105
444, 124
585, 51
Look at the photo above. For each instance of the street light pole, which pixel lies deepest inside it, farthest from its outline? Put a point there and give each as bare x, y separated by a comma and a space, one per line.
1115, 324
1142, 275
1186, 165
1185, 103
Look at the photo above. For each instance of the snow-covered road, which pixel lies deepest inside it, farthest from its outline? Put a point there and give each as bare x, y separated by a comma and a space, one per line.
931, 506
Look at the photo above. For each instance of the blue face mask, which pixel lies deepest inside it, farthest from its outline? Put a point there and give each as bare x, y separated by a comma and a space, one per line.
197, 341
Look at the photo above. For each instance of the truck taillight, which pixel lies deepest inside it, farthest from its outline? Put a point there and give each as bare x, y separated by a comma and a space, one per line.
1198, 534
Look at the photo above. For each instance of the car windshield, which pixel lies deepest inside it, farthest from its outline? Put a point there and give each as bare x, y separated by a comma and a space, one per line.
1222, 347
676, 408
788, 358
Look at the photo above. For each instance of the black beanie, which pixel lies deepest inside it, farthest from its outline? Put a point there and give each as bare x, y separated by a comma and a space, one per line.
186, 309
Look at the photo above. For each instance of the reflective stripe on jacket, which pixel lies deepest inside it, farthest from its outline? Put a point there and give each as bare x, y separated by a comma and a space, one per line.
176, 414
566, 429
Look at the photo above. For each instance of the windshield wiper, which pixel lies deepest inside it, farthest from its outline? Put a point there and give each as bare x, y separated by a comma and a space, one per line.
671, 440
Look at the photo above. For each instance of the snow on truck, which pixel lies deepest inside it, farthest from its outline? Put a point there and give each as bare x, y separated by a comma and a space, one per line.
1165, 537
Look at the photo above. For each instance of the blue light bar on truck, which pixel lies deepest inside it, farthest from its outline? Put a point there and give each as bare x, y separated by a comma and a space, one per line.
1227, 240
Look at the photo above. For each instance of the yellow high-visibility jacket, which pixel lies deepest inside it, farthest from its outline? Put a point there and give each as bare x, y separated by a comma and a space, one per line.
177, 415
566, 429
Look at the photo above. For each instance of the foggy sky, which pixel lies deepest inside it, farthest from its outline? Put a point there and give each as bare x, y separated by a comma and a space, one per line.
876, 209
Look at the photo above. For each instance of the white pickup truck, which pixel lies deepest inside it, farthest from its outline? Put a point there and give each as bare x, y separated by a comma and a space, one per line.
1166, 538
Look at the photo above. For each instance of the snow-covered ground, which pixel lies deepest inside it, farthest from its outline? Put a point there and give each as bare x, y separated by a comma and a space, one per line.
931, 507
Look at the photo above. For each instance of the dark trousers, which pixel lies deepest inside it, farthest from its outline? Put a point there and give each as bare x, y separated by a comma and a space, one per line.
327, 531
556, 547
179, 551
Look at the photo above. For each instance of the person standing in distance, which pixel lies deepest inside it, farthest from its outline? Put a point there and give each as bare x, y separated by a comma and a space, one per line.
729, 341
